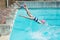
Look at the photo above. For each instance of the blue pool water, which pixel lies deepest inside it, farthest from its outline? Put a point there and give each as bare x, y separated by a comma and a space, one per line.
26, 29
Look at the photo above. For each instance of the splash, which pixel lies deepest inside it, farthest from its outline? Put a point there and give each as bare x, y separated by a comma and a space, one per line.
37, 36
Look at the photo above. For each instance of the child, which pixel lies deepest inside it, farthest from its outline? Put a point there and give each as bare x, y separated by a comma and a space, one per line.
30, 15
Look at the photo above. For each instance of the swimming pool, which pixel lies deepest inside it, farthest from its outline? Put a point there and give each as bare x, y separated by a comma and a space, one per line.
25, 29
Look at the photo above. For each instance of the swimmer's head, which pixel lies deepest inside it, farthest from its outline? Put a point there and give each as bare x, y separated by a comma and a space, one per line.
43, 21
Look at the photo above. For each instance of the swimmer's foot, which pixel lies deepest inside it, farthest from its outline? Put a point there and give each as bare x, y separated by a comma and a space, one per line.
17, 3
25, 6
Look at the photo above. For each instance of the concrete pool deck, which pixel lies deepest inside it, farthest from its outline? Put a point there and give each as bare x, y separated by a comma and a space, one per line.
5, 29
5, 37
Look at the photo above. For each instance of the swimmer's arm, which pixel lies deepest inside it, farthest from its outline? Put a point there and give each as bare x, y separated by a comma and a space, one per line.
28, 12
25, 17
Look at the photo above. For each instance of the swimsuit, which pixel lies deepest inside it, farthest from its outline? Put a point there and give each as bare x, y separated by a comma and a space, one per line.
36, 19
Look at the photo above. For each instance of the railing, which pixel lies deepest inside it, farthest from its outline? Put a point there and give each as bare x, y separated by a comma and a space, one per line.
41, 4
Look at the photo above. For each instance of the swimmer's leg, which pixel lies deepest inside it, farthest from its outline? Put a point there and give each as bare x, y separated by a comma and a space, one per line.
26, 17
17, 3
28, 12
